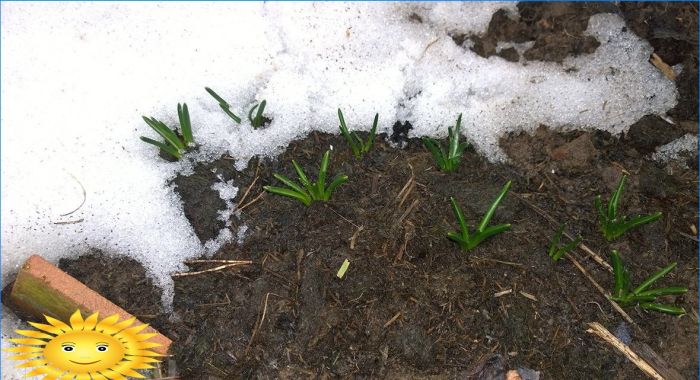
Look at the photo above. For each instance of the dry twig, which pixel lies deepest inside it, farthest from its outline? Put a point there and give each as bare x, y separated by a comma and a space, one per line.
233, 263
598, 329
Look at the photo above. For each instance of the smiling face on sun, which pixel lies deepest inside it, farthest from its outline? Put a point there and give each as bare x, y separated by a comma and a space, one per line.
84, 351
87, 348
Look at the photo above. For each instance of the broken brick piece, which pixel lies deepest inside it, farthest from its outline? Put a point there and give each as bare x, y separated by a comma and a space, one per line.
43, 289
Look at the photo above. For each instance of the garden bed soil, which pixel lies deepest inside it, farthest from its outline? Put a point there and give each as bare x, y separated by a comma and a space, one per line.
412, 305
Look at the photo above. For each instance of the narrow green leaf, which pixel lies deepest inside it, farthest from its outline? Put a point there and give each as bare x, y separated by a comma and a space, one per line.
321, 180
372, 133
185, 125
489, 214
615, 199
165, 132
250, 115
301, 197
348, 137
302, 176
216, 96
653, 278
571, 245
668, 309
673, 290
166, 148
259, 115
454, 138
480, 236
621, 282
456, 237
555, 241
640, 220
289, 183
230, 114
337, 181
598, 204
464, 230
437, 152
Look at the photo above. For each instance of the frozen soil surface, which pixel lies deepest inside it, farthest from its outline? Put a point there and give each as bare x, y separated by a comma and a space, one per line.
412, 305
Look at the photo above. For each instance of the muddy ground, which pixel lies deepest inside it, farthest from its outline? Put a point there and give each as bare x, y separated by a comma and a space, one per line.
412, 305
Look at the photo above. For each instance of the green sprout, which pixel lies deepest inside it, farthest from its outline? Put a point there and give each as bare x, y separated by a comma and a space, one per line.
311, 191
468, 241
612, 225
224, 106
645, 298
358, 146
555, 251
447, 161
175, 144
259, 119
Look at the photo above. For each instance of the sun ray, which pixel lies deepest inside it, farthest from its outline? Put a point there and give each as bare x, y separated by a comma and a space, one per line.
125, 369
76, 321
124, 324
32, 363
34, 334
48, 328
90, 322
58, 324
113, 375
107, 322
38, 372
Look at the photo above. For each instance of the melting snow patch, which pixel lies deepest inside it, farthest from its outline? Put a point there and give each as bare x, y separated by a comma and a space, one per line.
241, 233
676, 149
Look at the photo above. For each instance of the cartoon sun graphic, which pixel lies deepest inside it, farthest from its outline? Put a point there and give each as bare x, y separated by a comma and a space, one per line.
88, 349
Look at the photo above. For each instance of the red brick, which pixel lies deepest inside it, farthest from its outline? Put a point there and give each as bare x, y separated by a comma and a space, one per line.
43, 289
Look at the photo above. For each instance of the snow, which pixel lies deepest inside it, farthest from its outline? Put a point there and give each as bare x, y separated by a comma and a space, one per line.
685, 146
77, 77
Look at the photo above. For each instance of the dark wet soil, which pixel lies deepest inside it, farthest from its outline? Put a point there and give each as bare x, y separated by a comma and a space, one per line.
412, 305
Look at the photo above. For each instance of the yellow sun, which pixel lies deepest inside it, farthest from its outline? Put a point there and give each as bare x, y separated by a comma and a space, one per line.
88, 349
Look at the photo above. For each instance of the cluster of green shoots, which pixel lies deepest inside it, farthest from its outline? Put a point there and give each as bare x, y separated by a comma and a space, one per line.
174, 144
611, 224
467, 240
357, 145
308, 191
642, 295
556, 251
614, 226
447, 161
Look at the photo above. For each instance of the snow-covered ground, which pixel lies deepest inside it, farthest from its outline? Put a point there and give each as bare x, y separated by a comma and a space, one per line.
77, 77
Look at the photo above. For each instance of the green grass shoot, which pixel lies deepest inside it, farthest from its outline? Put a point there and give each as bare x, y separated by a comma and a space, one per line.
614, 226
357, 145
467, 240
174, 144
624, 295
308, 191
556, 251
258, 120
224, 105
447, 161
